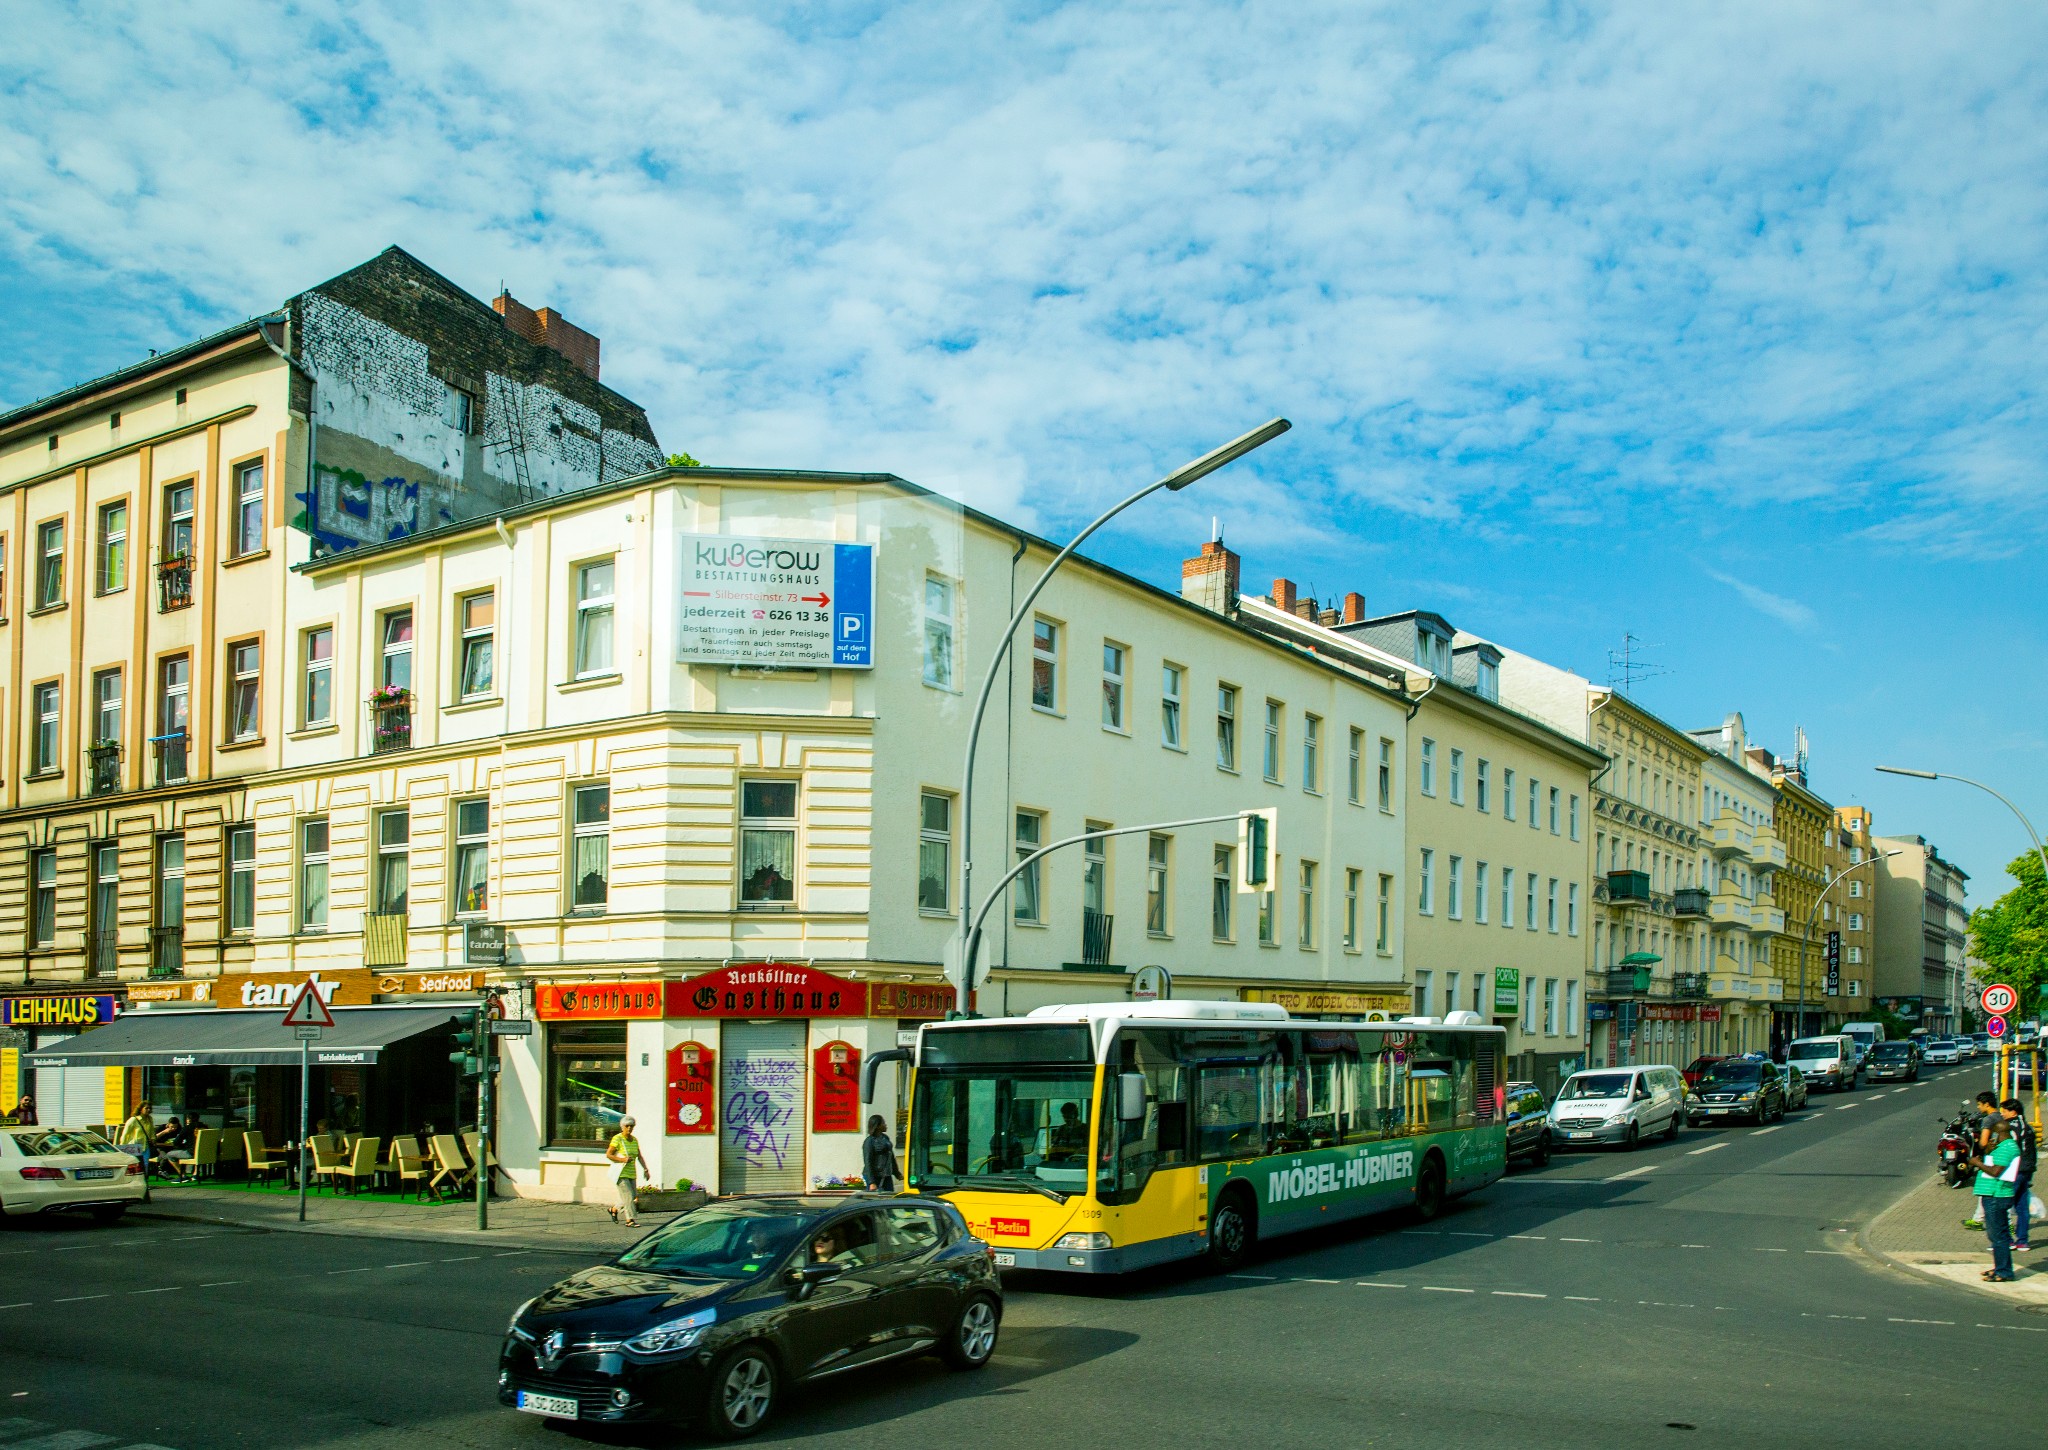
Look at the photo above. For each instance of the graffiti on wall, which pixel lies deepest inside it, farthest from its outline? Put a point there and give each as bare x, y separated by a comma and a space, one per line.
762, 1097
347, 508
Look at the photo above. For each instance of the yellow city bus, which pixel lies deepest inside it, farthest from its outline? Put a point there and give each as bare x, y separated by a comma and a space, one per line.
1106, 1137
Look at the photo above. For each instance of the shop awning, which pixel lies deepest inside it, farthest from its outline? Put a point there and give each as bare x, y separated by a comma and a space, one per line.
239, 1039
1641, 959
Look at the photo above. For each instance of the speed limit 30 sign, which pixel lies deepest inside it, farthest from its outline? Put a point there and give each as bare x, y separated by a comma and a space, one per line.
1999, 999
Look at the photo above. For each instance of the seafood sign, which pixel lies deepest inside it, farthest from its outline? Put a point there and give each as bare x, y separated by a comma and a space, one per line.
762, 1097
780, 603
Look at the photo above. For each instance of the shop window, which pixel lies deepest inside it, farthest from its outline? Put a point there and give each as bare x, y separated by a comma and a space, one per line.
42, 913
394, 861
313, 874
241, 878
767, 842
586, 1083
591, 847
594, 600
479, 634
472, 857
934, 851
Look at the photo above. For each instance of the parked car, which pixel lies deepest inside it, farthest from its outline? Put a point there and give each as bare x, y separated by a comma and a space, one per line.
1892, 1062
1943, 1051
1618, 1105
1699, 1064
1828, 1062
1739, 1088
1980, 1044
1795, 1088
1528, 1123
48, 1170
717, 1315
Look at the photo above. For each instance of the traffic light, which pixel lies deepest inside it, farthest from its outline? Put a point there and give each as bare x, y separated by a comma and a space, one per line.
471, 1053
1258, 849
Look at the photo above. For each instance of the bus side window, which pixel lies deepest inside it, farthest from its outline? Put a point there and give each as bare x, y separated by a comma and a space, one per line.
1384, 1085
1464, 1053
1228, 1122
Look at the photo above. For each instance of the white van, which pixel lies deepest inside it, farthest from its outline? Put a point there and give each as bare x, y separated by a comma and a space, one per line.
1830, 1062
1866, 1035
1617, 1105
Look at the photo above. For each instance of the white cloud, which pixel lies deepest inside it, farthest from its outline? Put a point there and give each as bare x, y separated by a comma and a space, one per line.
1777, 606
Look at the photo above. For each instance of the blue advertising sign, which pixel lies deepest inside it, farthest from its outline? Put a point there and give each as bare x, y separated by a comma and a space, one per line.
68, 1011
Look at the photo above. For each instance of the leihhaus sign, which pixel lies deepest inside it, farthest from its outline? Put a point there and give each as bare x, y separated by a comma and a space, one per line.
65, 1011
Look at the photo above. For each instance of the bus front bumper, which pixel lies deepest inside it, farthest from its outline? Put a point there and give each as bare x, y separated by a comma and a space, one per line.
1103, 1261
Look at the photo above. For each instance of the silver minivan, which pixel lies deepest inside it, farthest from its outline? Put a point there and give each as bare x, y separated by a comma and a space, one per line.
1617, 1105
1829, 1062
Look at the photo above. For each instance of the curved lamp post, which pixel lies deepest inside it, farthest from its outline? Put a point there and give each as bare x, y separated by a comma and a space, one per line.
1814, 915
1179, 479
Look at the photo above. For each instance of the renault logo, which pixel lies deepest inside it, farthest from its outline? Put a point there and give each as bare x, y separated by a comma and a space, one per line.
551, 1348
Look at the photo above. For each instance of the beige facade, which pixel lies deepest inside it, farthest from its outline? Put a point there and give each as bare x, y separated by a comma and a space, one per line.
1739, 858
1851, 908
1805, 824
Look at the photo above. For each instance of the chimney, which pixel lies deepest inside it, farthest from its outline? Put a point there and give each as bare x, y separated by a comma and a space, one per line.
1283, 595
1354, 608
1304, 609
548, 328
1210, 578
1327, 618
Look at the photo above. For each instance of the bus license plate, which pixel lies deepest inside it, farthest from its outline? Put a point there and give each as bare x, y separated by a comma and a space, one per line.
560, 1406
93, 1173
1005, 1261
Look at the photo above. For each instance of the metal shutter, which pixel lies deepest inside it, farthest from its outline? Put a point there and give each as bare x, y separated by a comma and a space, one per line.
762, 1109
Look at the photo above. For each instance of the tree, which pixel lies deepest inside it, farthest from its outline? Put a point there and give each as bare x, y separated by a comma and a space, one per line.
682, 460
2010, 936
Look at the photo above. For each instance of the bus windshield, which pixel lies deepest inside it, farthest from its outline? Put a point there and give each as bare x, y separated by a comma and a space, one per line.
1019, 1127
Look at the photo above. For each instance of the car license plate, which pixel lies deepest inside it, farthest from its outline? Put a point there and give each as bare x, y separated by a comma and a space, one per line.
1005, 1261
93, 1173
1578, 1135
560, 1406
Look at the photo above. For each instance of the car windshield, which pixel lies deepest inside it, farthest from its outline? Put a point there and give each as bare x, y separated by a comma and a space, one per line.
1813, 1051
1890, 1050
1732, 1074
1596, 1085
739, 1242
54, 1142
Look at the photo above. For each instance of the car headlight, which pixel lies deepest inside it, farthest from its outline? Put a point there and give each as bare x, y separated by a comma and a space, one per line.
676, 1334
1616, 1121
1082, 1241
512, 1326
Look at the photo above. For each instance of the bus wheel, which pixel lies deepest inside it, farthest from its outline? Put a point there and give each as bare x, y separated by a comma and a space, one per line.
1429, 1190
1232, 1232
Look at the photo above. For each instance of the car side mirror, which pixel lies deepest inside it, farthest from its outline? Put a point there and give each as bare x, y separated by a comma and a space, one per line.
1130, 1097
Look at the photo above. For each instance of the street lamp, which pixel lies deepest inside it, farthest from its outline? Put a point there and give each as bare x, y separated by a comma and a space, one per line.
1814, 914
1179, 479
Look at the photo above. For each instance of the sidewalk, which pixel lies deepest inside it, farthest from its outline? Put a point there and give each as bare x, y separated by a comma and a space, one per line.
1923, 1233
515, 1222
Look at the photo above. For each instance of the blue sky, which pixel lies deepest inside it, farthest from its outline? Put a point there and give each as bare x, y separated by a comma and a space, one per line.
1720, 325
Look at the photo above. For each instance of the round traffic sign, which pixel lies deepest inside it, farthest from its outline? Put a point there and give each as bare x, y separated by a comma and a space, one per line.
1999, 999
1995, 1025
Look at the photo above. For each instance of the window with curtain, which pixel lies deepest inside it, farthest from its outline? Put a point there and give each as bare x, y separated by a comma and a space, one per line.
767, 842
590, 854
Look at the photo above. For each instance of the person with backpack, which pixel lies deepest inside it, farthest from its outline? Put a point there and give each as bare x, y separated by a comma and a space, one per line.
1997, 1170
2029, 1144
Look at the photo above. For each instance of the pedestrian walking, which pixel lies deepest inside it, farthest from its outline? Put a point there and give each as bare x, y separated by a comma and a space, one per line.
624, 1150
878, 1166
137, 1134
1997, 1171
2029, 1144
1980, 1133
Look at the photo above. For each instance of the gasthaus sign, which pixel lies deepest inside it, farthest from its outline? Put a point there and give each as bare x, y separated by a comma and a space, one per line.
780, 603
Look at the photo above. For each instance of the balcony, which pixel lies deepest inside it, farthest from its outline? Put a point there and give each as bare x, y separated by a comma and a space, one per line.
103, 768
102, 957
390, 720
1689, 986
167, 951
1626, 982
384, 939
1765, 918
1769, 852
171, 750
174, 584
1729, 909
1730, 835
1623, 886
1096, 930
1691, 901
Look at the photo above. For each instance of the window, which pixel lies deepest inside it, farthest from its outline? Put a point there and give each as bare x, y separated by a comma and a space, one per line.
177, 522
1507, 897
50, 564
1451, 983
1112, 686
1457, 777
113, 547
1528, 1003
103, 930
1571, 1008
1507, 795
1045, 665
1222, 893
1095, 870
1383, 930
1426, 777
173, 714
1169, 706
1553, 810
394, 875
42, 757
170, 902
1575, 818
106, 707
3, 577
938, 632
1856, 888
1480, 783
248, 525
1855, 921
42, 890
395, 664
1386, 781
934, 851
241, 878
1479, 892
245, 690
1454, 888
590, 833
1550, 1006
1571, 909
1269, 928
1158, 919
1028, 902
1353, 884
1426, 896
479, 615
472, 857
1855, 958
1308, 904
1226, 727
1354, 768
586, 1067
1272, 756
1534, 796
1529, 899
767, 842
313, 874
1550, 907
1420, 1005
594, 585
316, 685
1311, 753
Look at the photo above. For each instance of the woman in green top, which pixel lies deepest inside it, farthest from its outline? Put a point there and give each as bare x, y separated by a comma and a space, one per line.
1997, 1176
624, 1150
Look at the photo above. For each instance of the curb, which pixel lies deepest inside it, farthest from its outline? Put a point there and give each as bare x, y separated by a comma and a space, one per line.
1888, 1261
512, 1238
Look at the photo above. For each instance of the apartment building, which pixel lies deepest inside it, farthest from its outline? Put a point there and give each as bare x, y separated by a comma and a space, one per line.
1739, 859
1849, 915
1805, 824
1921, 935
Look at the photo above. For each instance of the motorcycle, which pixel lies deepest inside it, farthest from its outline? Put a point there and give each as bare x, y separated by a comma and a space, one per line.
1955, 1149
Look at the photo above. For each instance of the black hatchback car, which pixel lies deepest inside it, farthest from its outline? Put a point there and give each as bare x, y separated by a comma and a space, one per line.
714, 1316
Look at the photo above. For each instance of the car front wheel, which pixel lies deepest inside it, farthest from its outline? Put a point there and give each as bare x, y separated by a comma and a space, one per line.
743, 1389
973, 1340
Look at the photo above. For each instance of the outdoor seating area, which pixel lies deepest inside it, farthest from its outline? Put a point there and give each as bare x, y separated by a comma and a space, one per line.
336, 1163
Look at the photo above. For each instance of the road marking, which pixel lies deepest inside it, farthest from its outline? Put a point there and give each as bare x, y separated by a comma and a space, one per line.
64, 1440
1379, 1284
1464, 1234
367, 1268
1319, 1281
1949, 1322
220, 1283
1270, 1278
1761, 1131
80, 1298
1525, 1236
516, 1253
1578, 1241
1907, 1090
459, 1259
1844, 1107
2022, 1328
1443, 1289
1771, 1251
1693, 1246
1582, 1299
1659, 1304
24, 1304
1516, 1294
410, 1264
1710, 1148
167, 1289
1634, 1173
1836, 1253
1435, 1233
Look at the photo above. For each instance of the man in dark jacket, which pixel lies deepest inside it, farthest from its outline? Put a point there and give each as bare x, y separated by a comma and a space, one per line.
878, 1166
